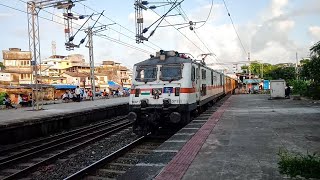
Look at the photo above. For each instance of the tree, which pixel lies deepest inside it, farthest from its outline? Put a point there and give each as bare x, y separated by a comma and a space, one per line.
286, 73
315, 49
2, 66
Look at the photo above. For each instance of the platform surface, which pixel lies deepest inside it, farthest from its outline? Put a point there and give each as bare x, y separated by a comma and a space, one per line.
242, 138
14, 116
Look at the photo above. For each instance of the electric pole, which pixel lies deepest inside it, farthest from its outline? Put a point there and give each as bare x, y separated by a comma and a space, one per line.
297, 66
33, 9
249, 65
90, 46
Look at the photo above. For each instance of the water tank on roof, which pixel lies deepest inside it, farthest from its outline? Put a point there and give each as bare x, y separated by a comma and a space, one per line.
14, 49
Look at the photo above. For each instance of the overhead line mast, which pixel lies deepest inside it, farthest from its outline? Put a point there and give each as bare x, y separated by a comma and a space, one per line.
33, 9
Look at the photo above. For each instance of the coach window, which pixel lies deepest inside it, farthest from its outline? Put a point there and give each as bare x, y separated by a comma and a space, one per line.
211, 78
197, 73
193, 73
203, 74
146, 73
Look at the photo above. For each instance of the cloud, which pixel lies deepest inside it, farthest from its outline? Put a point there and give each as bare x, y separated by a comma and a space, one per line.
5, 15
314, 32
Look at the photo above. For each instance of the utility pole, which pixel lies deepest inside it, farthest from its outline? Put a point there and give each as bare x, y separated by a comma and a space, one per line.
90, 46
249, 65
262, 69
34, 48
33, 9
297, 66
54, 48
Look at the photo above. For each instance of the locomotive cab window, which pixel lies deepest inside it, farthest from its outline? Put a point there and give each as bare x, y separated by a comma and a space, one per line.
171, 72
146, 73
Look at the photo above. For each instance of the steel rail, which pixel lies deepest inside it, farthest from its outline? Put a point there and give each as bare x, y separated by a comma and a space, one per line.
87, 170
57, 136
104, 134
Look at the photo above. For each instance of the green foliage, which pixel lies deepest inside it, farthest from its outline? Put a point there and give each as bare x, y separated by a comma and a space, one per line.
315, 49
293, 164
314, 90
2, 66
2, 94
300, 87
286, 73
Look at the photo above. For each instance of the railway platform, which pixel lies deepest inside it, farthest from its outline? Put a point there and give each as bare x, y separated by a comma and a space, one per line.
23, 123
238, 140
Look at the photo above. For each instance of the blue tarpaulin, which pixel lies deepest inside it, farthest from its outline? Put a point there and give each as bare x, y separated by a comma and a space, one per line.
251, 81
113, 85
266, 84
64, 86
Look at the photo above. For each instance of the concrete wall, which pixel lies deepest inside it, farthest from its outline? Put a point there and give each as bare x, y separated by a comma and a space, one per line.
39, 127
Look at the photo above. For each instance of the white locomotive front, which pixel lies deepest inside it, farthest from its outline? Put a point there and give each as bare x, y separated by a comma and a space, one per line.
160, 92
168, 87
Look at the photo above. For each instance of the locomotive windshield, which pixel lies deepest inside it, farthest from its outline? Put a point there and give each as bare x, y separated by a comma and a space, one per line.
146, 73
171, 72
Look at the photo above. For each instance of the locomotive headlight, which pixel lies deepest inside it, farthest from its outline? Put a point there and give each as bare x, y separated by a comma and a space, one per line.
137, 93
166, 103
144, 103
177, 91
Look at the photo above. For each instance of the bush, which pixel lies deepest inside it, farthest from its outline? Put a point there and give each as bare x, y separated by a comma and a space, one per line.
314, 90
300, 87
2, 94
293, 165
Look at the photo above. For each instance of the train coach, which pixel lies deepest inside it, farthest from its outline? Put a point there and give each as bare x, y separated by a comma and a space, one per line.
169, 87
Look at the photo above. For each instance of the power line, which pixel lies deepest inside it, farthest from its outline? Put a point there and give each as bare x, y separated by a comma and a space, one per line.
245, 52
124, 34
27, 13
111, 39
123, 43
208, 15
105, 37
181, 12
117, 23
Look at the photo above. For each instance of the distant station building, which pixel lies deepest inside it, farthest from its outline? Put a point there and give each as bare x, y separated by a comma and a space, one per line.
116, 72
17, 67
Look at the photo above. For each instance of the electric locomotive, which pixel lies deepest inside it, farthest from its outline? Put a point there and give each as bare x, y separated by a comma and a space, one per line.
168, 87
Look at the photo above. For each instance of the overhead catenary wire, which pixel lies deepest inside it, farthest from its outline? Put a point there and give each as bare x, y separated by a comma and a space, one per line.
207, 16
244, 49
106, 37
122, 43
125, 34
10, 7
127, 29
80, 26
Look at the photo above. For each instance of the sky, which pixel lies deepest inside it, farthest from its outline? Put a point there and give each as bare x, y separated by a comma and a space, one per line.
273, 31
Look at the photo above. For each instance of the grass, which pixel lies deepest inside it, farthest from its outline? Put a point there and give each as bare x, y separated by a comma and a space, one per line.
299, 165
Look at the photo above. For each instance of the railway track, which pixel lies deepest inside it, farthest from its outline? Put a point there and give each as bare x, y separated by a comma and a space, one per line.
23, 159
117, 163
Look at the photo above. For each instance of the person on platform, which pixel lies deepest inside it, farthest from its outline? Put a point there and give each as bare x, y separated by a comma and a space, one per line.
77, 93
287, 92
105, 94
85, 95
65, 97
7, 102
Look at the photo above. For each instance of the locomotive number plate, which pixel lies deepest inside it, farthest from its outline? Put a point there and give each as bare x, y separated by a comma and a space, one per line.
168, 90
